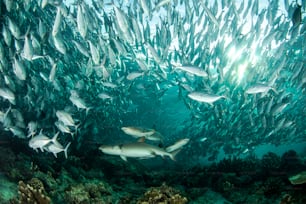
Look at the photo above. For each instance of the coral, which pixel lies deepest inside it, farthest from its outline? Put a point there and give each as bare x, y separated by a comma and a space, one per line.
210, 197
16, 172
287, 199
90, 192
270, 161
271, 187
7, 162
291, 162
8, 189
33, 192
77, 194
163, 195
235, 164
299, 178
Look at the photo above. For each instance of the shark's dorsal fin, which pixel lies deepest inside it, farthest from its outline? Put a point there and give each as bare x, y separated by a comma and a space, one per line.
142, 139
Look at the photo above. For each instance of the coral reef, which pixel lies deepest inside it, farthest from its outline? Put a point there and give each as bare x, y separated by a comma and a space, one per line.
7, 162
270, 162
299, 178
291, 163
287, 199
79, 180
8, 189
163, 194
90, 192
32, 193
210, 197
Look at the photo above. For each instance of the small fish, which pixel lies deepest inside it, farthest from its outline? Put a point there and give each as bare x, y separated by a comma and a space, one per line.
133, 75
138, 131
192, 70
8, 94
259, 88
210, 15
17, 132
78, 102
41, 140
8, 5
42, 29
7, 36
83, 50
59, 44
178, 145
14, 29
53, 72
56, 148
105, 96
95, 55
121, 19
63, 128
66, 118
204, 97
28, 50
57, 22
19, 70
81, 23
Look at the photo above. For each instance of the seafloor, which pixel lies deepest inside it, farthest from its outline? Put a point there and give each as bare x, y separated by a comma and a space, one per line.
29, 177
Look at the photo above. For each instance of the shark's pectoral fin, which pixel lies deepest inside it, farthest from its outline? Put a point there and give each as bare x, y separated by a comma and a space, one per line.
123, 157
142, 139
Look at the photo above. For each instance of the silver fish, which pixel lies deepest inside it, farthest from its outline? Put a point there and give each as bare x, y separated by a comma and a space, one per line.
204, 97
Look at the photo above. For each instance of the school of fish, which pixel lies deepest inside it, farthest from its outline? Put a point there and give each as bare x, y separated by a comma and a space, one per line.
72, 70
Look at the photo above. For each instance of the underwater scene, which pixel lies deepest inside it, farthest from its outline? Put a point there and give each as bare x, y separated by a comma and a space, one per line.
153, 101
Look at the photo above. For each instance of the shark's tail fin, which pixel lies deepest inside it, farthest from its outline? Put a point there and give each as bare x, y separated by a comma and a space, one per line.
174, 153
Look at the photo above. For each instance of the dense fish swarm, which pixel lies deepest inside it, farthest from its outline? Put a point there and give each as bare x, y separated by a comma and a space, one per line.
84, 70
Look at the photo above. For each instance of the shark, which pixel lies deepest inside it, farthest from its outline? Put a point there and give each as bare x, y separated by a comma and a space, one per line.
140, 150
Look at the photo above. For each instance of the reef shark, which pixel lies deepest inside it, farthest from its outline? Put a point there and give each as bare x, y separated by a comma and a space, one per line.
139, 150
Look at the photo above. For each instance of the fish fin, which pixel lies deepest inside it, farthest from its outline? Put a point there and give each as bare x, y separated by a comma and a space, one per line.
54, 139
76, 129
65, 150
87, 109
174, 153
142, 139
124, 158
55, 154
274, 90
29, 135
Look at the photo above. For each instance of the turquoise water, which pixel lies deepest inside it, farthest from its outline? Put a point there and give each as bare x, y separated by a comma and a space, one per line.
118, 102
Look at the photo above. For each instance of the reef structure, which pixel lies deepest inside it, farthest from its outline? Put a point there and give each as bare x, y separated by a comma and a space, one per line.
32, 192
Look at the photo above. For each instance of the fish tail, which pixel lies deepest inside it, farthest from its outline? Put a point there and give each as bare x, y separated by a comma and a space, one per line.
65, 150
87, 109
174, 153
